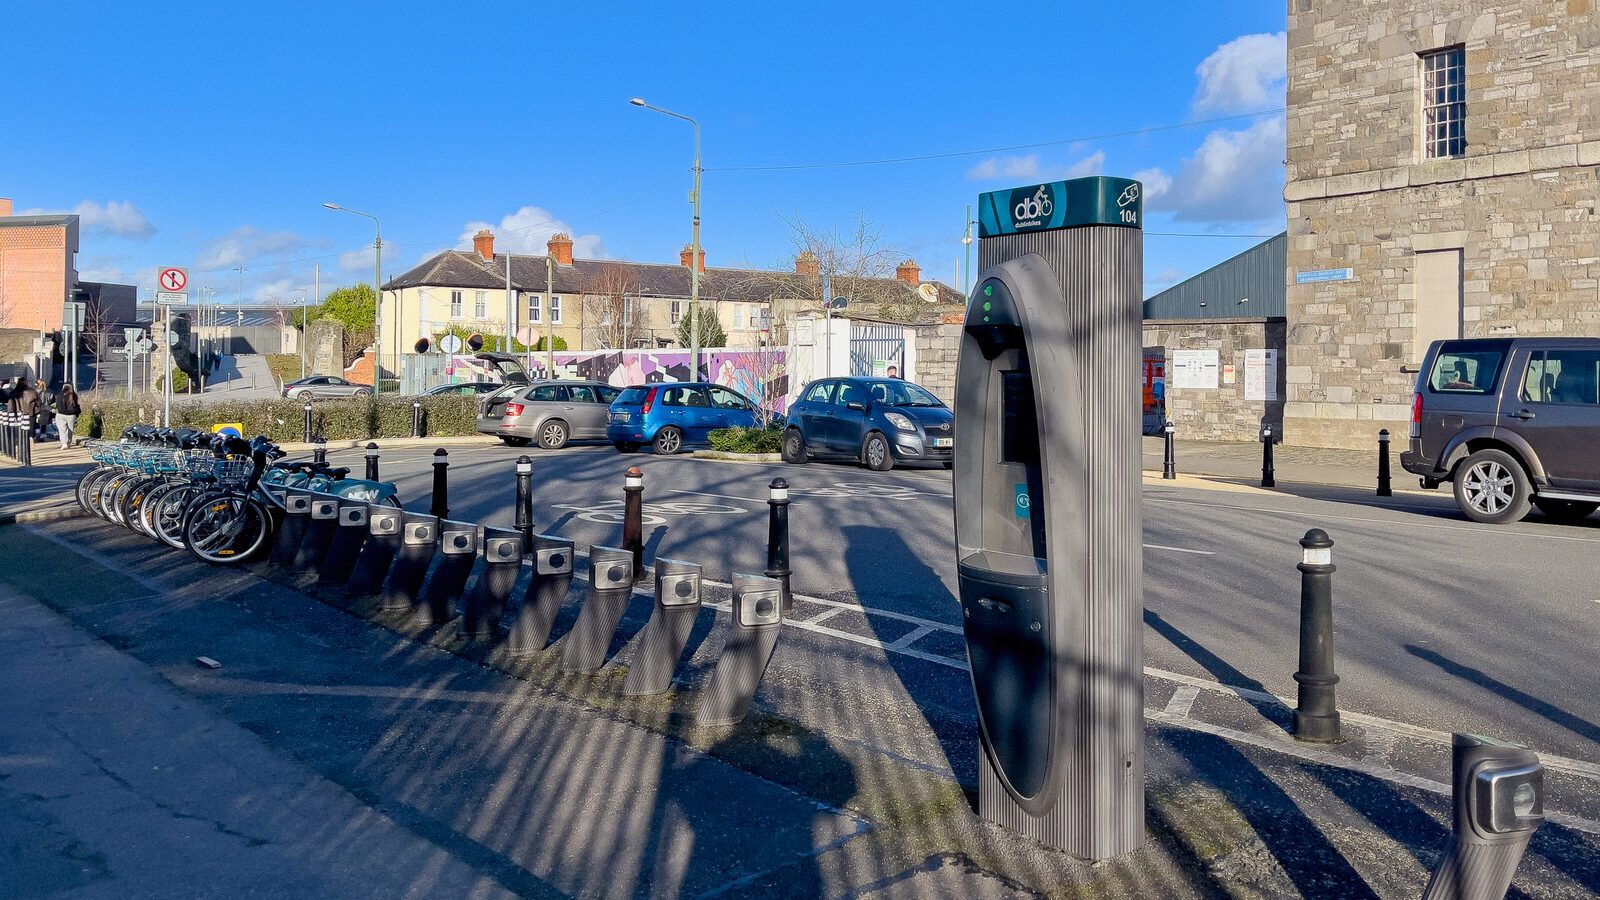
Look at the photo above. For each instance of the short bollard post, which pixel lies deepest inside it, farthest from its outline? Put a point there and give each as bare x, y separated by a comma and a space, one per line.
416, 418
757, 617
384, 524
319, 531
524, 512
296, 514
1384, 489
662, 641
1169, 462
419, 535
440, 505
319, 451
1267, 475
547, 591
307, 422
610, 588
633, 518
1316, 717
458, 549
1498, 794
349, 534
778, 538
482, 610
372, 461
24, 445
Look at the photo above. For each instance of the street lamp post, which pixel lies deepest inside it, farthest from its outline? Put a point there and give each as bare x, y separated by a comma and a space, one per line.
695, 258
302, 341
967, 240
377, 293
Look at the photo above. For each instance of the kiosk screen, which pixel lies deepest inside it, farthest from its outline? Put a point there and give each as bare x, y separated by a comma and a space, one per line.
1019, 422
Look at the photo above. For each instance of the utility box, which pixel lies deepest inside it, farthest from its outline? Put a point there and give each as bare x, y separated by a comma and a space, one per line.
1048, 518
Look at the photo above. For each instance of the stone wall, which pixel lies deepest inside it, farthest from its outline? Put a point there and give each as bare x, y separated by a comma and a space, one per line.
1222, 414
937, 348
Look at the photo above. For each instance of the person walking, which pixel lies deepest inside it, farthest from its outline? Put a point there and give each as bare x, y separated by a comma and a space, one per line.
29, 403
67, 411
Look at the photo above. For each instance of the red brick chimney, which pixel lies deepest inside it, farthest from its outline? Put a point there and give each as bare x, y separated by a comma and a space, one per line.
483, 243
909, 272
808, 265
560, 248
5, 207
686, 257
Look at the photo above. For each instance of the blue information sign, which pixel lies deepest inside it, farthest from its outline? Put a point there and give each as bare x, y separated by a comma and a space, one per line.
1324, 275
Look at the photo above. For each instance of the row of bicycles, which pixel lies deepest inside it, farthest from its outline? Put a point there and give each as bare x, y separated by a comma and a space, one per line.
217, 496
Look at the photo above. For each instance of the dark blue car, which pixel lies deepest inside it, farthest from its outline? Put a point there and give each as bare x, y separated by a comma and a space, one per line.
671, 416
875, 421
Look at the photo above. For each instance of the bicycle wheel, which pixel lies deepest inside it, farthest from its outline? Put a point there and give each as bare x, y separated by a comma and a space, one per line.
227, 530
96, 490
133, 500
86, 483
107, 498
170, 514
152, 504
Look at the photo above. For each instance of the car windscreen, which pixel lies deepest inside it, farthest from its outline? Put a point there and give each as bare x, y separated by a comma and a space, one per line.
902, 393
633, 396
1466, 370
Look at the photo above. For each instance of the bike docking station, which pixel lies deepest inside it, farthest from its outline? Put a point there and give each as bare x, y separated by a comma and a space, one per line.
323, 521
1497, 804
296, 516
419, 537
662, 641
1046, 464
485, 606
458, 551
610, 588
344, 548
547, 591
754, 621
377, 552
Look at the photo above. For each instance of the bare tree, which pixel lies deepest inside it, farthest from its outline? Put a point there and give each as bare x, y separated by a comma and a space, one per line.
859, 264
96, 336
608, 303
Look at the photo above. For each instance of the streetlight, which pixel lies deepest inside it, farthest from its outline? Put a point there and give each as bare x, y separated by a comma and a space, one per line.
377, 294
695, 258
967, 239
302, 341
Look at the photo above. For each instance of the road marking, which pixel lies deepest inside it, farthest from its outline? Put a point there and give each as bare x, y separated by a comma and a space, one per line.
1475, 529
1182, 702
718, 496
1180, 549
916, 634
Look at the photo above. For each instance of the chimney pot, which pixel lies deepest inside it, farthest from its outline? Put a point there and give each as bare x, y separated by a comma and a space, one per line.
560, 248
686, 257
808, 265
909, 272
483, 243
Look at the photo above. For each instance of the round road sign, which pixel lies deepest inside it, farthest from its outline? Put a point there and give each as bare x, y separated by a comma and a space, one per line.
173, 279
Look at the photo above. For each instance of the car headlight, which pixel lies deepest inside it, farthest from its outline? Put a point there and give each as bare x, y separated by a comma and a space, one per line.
899, 421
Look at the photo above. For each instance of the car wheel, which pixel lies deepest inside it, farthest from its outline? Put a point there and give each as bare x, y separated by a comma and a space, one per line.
363, 393
1491, 487
794, 447
512, 440
949, 464
1565, 510
668, 441
303, 395
626, 447
553, 435
875, 453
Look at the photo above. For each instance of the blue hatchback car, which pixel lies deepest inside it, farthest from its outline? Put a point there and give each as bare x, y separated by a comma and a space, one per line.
671, 415
876, 421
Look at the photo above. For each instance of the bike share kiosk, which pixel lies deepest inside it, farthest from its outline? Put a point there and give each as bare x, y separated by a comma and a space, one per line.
1047, 509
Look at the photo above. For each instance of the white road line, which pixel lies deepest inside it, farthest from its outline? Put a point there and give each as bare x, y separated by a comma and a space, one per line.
1182, 701
826, 614
916, 634
1375, 521
718, 496
1180, 549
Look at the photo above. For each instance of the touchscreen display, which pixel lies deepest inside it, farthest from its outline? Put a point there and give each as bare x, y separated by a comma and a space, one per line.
1019, 421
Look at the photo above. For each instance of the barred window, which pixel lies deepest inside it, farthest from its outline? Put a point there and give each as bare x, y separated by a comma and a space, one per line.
1444, 103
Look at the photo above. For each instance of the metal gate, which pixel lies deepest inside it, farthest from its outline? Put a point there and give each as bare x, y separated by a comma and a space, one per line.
877, 348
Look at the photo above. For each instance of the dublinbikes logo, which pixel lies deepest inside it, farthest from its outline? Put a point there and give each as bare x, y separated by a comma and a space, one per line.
1031, 212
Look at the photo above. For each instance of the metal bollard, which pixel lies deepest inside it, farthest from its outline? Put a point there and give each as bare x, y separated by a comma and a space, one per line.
458, 548
1384, 489
319, 453
547, 590
416, 418
1267, 479
319, 532
756, 619
440, 504
661, 642
1169, 463
377, 552
24, 446
524, 510
307, 409
296, 514
349, 534
419, 537
1316, 716
485, 606
778, 538
372, 461
1498, 793
610, 588
633, 518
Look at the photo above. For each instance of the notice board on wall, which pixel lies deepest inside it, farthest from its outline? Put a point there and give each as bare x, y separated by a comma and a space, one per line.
1261, 374
1194, 369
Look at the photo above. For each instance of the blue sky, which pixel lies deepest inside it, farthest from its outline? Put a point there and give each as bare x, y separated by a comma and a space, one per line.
209, 135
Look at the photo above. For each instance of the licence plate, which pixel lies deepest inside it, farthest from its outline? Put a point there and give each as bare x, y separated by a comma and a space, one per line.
943, 442
620, 417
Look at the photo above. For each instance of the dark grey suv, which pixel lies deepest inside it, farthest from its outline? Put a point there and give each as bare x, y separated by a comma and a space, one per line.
1511, 423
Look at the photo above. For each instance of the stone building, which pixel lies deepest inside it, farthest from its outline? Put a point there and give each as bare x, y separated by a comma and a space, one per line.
1442, 182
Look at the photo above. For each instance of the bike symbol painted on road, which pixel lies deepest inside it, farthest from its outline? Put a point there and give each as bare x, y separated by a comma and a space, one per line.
612, 512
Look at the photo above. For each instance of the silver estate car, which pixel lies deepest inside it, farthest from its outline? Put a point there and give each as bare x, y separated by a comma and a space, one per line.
550, 412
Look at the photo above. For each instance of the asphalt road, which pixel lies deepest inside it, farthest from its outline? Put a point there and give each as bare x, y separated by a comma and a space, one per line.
1440, 622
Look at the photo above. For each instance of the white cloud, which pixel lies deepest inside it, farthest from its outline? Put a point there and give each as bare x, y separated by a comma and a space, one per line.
245, 244
282, 290
1156, 182
1246, 73
357, 260
1092, 164
116, 218
528, 230
1020, 167
1166, 277
1235, 176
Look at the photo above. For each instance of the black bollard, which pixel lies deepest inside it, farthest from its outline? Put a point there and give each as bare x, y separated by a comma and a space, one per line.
416, 418
348, 537
307, 409
296, 514
319, 453
664, 636
440, 505
778, 538
485, 606
1316, 717
377, 552
1267, 479
419, 536
320, 527
756, 619
610, 588
1384, 489
524, 511
458, 548
547, 591
633, 518
1498, 794
1169, 463
372, 461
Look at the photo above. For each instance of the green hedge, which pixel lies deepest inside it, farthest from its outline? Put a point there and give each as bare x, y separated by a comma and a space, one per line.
282, 420
747, 440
